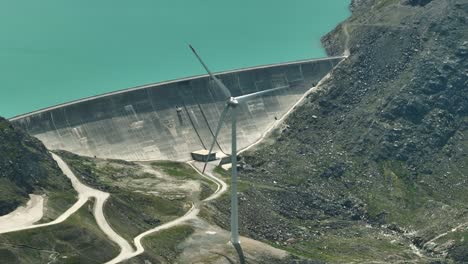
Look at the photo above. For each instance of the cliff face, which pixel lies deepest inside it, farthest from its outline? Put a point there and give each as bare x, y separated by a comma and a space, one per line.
405, 82
381, 148
26, 167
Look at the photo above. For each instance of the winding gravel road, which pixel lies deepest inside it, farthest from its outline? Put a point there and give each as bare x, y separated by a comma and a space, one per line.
82, 199
191, 214
84, 194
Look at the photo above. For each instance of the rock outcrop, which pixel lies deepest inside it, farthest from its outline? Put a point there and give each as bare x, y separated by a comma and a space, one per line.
26, 167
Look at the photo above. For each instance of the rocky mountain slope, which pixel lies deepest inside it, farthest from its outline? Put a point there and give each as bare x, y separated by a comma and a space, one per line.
27, 168
373, 166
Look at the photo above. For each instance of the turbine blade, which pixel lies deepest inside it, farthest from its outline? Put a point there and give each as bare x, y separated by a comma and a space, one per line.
224, 89
220, 124
201, 61
219, 83
250, 96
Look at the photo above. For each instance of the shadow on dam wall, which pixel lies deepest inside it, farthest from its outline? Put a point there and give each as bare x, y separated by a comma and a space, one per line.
167, 121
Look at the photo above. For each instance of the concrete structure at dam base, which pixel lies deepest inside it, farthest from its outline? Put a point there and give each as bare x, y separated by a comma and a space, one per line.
169, 120
202, 155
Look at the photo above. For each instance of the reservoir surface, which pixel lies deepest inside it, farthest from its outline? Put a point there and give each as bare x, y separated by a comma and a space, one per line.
54, 51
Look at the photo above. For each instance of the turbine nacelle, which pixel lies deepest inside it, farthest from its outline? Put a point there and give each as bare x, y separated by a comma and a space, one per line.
232, 102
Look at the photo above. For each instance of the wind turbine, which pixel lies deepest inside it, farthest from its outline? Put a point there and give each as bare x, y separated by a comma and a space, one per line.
231, 104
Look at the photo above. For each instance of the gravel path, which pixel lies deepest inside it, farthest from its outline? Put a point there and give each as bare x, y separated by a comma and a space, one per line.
191, 214
84, 194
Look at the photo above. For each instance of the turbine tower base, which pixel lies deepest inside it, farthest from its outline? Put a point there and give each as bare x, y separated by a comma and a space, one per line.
240, 252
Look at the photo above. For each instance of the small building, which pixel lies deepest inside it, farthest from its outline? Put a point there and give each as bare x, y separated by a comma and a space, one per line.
202, 155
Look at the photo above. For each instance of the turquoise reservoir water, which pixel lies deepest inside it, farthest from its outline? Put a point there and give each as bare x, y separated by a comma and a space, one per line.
54, 51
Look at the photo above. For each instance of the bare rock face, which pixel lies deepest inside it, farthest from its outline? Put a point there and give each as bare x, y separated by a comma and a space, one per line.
383, 143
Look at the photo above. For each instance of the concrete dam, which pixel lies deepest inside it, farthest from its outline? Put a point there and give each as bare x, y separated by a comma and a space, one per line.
169, 120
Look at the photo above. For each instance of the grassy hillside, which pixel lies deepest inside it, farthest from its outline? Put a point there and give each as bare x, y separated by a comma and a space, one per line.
143, 196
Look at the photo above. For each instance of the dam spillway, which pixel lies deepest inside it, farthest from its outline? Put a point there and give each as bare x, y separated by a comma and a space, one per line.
167, 121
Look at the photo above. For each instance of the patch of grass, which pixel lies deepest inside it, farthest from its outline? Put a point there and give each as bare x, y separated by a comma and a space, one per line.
167, 241
243, 186
131, 213
402, 202
178, 170
132, 210
221, 172
183, 171
164, 246
339, 250
135, 206
206, 190
77, 240
359, 244
57, 203
207, 213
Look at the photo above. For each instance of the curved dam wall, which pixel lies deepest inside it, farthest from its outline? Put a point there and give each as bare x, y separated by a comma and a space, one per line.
167, 121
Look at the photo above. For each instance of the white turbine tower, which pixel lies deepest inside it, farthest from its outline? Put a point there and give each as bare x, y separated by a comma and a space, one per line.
231, 103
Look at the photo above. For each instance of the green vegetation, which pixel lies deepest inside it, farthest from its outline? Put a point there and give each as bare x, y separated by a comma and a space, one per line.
402, 203
77, 240
336, 249
206, 190
57, 202
225, 175
177, 169
163, 246
222, 172
139, 200
132, 207
183, 171
131, 213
